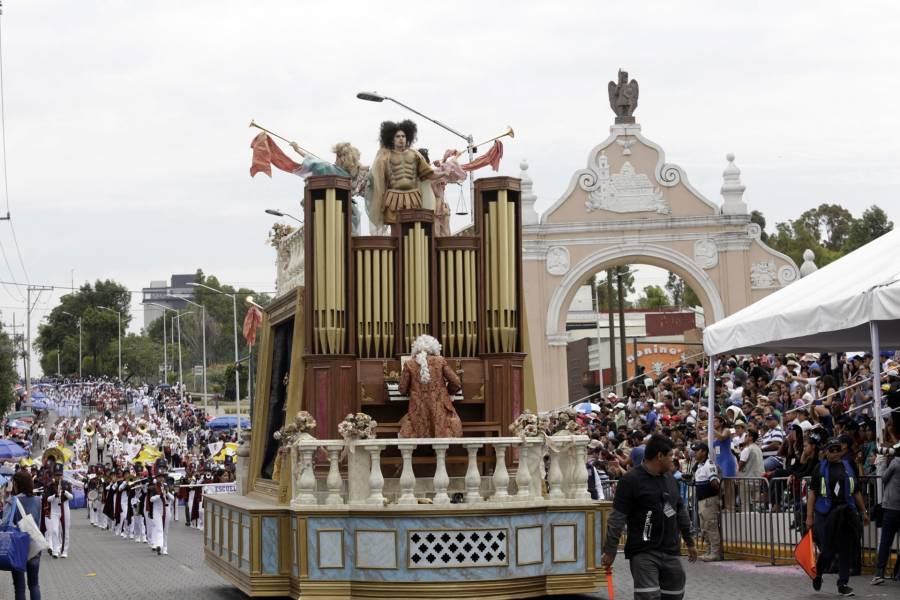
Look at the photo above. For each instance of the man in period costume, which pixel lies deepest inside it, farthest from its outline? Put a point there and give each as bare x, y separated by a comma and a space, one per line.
399, 176
429, 381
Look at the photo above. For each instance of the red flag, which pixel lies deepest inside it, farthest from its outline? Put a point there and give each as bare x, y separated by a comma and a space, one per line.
610, 588
251, 323
267, 153
805, 554
491, 157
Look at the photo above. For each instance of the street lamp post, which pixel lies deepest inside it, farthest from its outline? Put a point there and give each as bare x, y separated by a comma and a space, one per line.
178, 316
165, 341
203, 329
279, 213
237, 377
376, 97
119, 315
78, 322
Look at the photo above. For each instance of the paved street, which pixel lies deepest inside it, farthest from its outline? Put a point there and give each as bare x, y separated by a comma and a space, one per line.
102, 566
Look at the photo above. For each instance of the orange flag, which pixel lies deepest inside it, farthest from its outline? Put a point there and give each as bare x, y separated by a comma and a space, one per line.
267, 153
610, 588
805, 554
251, 323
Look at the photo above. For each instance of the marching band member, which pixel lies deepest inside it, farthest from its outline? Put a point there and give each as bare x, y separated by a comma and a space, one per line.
160, 509
57, 495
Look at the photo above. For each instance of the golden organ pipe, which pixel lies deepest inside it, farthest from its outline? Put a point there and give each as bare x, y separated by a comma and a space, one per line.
320, 275
376, 301
407, 295
360, 290
367, 262
459, 313
342, 323
512, 275
471, 303
329, 268
390, 297
442, 293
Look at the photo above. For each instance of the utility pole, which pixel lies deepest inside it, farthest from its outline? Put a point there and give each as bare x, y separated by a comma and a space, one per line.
612, 325
593, 283
58, 368
30, 307
622, 341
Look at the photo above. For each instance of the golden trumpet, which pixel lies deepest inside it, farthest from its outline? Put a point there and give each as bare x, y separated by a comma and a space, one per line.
509, 132
270, 132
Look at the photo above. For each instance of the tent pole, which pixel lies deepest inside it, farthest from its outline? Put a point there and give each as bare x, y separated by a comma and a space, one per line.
876, 396
711, 404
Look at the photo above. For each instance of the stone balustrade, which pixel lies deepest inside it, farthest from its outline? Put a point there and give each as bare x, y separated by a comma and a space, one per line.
321, 479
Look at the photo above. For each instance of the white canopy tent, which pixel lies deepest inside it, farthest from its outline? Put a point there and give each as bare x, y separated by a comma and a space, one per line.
829, 309
850, 304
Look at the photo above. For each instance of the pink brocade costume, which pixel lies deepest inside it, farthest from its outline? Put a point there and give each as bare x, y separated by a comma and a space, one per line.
431, 412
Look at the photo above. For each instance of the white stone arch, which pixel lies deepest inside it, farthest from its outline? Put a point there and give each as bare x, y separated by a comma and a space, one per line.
651, 254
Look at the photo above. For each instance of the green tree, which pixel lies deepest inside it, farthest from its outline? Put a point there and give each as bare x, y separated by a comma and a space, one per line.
654, 297
681, 293
601, 288
100, 329
829, 230
141, 358
873, 224
219, 326
829, 225
8, 375
758, 218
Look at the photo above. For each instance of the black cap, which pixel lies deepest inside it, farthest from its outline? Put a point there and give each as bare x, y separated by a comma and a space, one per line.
700, 446
834, 442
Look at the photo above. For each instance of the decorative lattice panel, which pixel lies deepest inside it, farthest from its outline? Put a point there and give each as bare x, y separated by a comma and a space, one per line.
453, 548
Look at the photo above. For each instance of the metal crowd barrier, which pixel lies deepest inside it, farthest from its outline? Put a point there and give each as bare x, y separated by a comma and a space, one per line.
762, 519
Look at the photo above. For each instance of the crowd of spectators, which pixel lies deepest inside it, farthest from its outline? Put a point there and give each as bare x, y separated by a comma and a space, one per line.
772, 416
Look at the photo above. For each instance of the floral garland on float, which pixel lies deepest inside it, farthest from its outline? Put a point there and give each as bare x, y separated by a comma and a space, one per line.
359, 426
300, 428
353, 428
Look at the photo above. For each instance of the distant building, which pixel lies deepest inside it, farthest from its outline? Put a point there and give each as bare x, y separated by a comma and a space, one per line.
655, 339
160, 292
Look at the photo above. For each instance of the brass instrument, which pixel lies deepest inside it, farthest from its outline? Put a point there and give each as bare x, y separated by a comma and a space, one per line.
89, 431
272, 133
509, 132
56, 453
136, 483
143, 428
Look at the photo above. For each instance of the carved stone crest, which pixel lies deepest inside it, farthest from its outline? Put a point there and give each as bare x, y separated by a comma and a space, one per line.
623, 97
706, 255
558, 260
763, 275
622, 192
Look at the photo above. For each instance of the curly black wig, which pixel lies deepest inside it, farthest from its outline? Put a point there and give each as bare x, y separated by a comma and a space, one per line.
389, 128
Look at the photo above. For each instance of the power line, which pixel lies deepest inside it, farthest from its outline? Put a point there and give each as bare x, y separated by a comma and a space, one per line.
6, 179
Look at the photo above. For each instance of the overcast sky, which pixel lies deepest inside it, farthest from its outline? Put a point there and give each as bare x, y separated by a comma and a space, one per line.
127, 122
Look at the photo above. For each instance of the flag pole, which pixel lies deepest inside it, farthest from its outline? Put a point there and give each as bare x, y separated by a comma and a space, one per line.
260, 127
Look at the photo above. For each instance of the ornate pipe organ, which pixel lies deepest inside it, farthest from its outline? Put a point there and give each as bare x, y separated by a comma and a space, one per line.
369, 297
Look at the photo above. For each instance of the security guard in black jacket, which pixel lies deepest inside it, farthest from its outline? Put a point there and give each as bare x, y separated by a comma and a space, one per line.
648, 503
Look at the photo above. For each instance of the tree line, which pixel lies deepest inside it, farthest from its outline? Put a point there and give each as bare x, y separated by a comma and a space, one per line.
142, 354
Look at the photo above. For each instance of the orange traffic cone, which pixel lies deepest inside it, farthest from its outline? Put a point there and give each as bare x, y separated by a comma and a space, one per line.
805, 554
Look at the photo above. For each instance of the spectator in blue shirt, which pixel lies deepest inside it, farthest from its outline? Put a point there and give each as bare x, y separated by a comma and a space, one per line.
23, 488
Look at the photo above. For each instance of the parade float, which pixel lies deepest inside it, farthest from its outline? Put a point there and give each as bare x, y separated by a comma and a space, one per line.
333, 501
